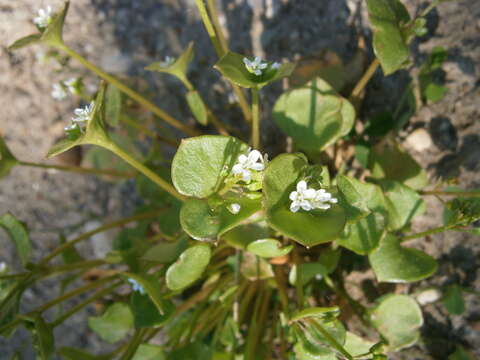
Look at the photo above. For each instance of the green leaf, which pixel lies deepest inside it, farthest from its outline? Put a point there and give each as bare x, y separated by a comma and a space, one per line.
178, 68
189, 267
166, 252
460, 354
231, 66
390, 42
18, 233
390, 161
113, 105
241, 236
202, 163
358, 198
398, 318
392, 262
193, 351
462, 211
364, 235
149, 352
7, 160
453, 300
151, 285
269, 248
42, 333
402, 204
197, 106
203, 221
25, 41
53, 33
434, 92
308, 271
315, 116
255, 268
69, 353
362, 152
114, 324
317, 313
9, 308
145, 312
303, 353
356, 345
280, 179
95, 133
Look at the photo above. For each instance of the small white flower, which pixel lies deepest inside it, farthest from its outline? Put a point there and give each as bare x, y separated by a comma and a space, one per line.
256, 66
58, 92
44, 17
71, 85
3, 267
136, 286
275, 66
72, 126
309, 199
234, 208
247, 163
169, 60
82, 115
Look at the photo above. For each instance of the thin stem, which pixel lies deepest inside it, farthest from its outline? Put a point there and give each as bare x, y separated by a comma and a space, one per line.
282, 289
100, 229
364, 80
216, 24
255, 119
209, 27
131, 93
127, 120
133, 345
78, 169
331, 339
451, 193
146, 171
429, 232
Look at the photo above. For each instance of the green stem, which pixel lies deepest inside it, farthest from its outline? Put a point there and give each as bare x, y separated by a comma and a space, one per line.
364, 80
282, 289
133, 345
218, 27
451, 193
429, 232
331, 339
255, 119
146, 171
217, 44
78, 169
131, 93
127, 120
100, 229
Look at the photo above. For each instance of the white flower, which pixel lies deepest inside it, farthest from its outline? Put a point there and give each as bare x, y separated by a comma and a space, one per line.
247, 163
136, 286
3, 267
256, 66
72, 126
71, 85
309, 199
83, 115
234, 208
58, 92
169, 60
275, 66
44, 17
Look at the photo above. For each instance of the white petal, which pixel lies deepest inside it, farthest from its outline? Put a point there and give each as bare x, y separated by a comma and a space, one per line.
254, 156
294, 207
242, 159
247, 62
293, 196
237, 169
246, 176
301, 186
323, 206
258, 72
306, 205
310, 194
262, 66
257, 60
257, 166
334, 200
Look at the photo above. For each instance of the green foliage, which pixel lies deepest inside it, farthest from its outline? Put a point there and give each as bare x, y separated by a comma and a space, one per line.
189, 267
114, 324
42, 333
363, 236
453, 300
269, 248
7, 160
197, 106
113, 105
19, 235
315, 116
431, 90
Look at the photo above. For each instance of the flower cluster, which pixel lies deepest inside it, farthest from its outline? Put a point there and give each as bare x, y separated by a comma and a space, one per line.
246, 163
44, 17
59, 90
82, 116
256, 65
169, 60
310, 199
136, 286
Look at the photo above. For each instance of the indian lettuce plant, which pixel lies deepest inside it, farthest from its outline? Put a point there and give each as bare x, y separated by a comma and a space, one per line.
235, 255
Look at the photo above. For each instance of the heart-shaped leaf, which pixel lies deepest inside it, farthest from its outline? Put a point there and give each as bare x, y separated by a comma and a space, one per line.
364, 235
189, 267
269, 248
398, 318
315, 116
114, 324
307, 228
390, 42
232, 66
7, 160
145, 312
205, 222
202, 163
356, 345
390, 161
19, 235
197, 106
166, 252
178, 67
392, 262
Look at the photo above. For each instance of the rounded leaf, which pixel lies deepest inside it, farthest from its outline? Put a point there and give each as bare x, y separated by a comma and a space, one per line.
315, 116
394, 263
114, 324
189, 267
201, 163
307, 228
269, 248
364, 235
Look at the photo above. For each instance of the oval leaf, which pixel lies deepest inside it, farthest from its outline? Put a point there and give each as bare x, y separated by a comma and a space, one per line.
398, 318
145, 312
114, 324
197, 106
201, 163
149, 352
19, 235
269, 248
315, 116
392, 262
307, 228
189, 267
364, 235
